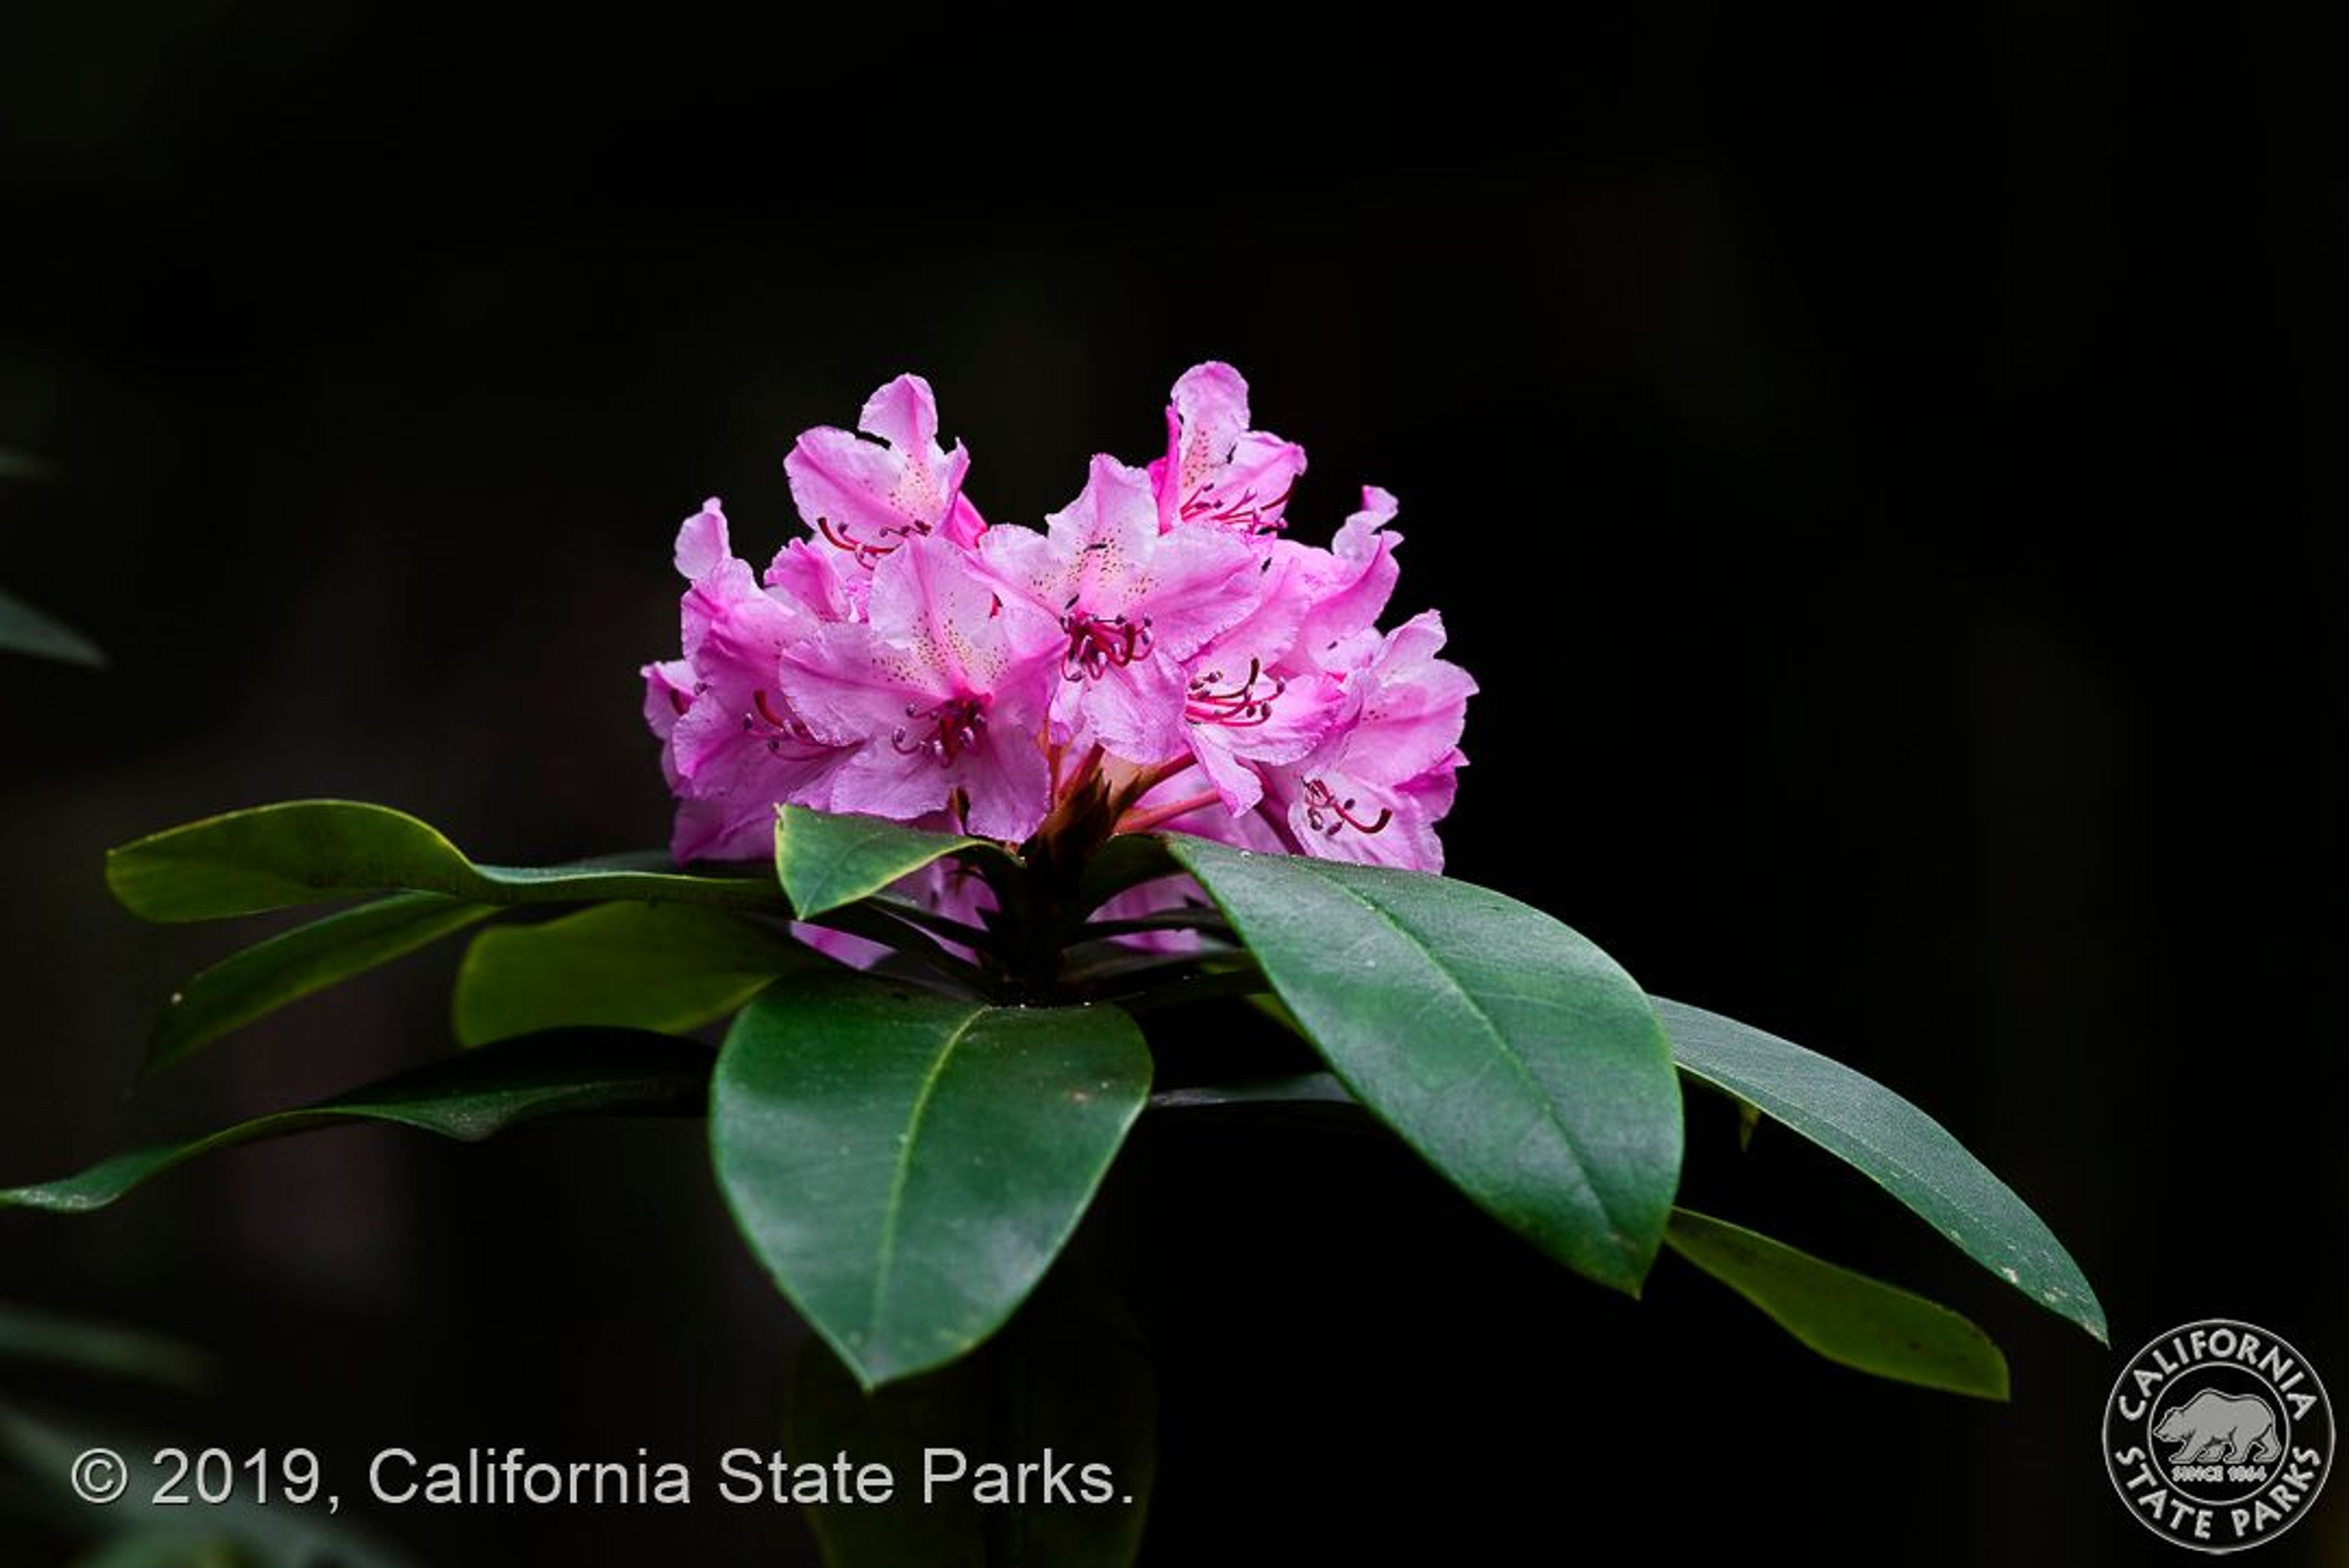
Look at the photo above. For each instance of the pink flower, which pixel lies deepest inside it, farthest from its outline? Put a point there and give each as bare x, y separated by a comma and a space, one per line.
1376, 787
1156, 647
867, 497
1217, 469
939, 698
1133, 605
733, 745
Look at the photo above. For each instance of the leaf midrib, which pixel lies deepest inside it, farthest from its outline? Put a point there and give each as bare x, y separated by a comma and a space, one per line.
1615, 1228
1777, 1106
1985, 1229
893, 1209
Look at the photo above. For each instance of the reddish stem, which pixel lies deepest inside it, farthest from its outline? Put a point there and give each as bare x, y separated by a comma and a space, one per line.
1141, 822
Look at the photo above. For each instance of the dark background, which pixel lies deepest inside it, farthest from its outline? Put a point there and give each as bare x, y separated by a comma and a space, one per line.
1882, 472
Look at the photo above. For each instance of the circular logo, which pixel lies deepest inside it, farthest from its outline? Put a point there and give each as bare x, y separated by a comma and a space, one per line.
2218, 1436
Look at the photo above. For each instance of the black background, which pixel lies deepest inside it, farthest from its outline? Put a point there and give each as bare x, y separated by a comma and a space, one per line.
1882, 473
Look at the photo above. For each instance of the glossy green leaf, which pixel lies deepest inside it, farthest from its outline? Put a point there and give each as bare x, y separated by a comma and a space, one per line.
669, 967
311, 852
1070, 1374
827, 859
306, 960
907, 1164
25, 630
1125, 860
583, 1072
1513, 1054
1844, 1316
56, 1338
1893, 1143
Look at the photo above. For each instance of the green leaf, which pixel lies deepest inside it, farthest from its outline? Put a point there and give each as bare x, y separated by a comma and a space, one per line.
1126, 860
55, 1338
667, 967
311, 852
1892, 1143
25, 630
1070, 1374
1286, 1089
308, 959
1844, 1316
907, 1164
583, 1072
827, 859
1514, 1055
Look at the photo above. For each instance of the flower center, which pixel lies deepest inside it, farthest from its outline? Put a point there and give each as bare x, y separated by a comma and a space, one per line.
791, 736
1096, 643
1238, 706
945, 731
1329, 816
867, 552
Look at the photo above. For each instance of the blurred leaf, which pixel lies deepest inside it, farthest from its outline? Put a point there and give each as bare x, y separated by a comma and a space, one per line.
25, 630
18, 464
907, 1164
1898, 1146
669, 967
286, 968
1290, 1089
580, 1072
27, 1334
241, 1532
1844, 1316
308, 851
826, 859
1513, 1054
1070, 1374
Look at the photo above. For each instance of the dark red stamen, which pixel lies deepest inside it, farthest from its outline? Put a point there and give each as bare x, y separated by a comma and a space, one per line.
1246, 512
1238, 707
800, 741
867, 552
953, 728
1097, 643
1322, 805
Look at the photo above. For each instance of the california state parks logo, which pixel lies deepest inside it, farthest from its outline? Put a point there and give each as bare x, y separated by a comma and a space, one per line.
2218, 1436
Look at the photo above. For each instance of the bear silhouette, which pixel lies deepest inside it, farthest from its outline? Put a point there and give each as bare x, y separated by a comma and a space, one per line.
2213, 1428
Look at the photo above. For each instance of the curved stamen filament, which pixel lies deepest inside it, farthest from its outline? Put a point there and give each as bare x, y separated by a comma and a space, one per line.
944, 732
868, 552
1239, 706
1243, 512
1098, 642
1329, 816
803, 744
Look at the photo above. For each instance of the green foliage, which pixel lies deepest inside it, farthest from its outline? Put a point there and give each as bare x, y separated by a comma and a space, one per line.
669, 967
1071, 1373
909, 1150
1892, 1143
1520, 1060
826, 861
308, 959
468, 1097
25, 630
314, 852
1844, 1316
909, 1164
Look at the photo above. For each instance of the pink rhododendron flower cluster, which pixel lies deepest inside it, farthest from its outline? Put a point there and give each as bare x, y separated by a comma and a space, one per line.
1160, 639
